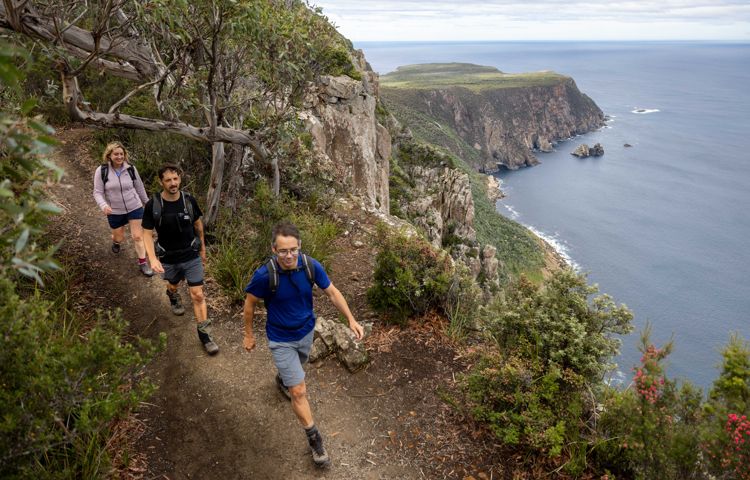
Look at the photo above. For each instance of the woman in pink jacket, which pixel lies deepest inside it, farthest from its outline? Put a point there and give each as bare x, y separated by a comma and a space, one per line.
120, 194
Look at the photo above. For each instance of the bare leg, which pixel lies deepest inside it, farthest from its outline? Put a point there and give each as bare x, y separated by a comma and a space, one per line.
118, 235
136, 231
300, 405
199, 303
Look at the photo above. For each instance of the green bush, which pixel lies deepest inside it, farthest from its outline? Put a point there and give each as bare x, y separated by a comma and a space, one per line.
244, 239
64, 378
62, 387
649, 430
410, 278
536, 391
725, 432
560, 324
530, 405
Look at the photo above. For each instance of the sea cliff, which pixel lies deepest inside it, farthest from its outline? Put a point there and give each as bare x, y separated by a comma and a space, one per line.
504, 118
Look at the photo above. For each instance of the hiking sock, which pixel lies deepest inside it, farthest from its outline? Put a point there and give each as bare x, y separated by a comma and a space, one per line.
142, 261
205, 337
115, 247
175, 303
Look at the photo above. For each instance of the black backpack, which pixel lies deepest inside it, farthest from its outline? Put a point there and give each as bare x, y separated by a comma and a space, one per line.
157, 205
273, 272
105, 172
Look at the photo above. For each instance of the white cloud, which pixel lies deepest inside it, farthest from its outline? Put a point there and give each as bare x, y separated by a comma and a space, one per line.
545, 20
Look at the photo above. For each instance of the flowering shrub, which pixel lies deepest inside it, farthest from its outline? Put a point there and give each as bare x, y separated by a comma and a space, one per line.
649, 380
726, 430
736, 459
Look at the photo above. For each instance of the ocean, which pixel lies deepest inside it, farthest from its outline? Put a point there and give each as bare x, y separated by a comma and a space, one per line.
663, 225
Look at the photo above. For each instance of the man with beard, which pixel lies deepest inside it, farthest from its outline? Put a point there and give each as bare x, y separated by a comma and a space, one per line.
285, 284
179, 252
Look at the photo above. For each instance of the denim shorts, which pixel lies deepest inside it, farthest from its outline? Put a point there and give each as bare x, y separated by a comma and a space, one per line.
192, 271
117, 221
289, 358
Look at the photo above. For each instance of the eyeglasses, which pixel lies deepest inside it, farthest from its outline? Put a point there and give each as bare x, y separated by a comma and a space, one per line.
290, 252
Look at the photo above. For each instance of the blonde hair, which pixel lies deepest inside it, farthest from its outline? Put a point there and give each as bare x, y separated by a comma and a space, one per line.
110, 148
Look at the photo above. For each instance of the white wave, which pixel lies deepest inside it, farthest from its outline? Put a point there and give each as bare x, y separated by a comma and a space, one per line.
513, 212
644, 111
558, 245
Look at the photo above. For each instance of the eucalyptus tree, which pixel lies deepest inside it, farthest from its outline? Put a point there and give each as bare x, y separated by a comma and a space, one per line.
219, 71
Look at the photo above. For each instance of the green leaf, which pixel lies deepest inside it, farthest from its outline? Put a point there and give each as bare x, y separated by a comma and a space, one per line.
22, 240
49, 207
28, 106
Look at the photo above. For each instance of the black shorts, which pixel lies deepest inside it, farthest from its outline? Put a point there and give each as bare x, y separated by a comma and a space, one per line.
117, 221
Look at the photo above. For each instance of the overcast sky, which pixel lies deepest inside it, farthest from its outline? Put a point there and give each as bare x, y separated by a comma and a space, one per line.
391, 20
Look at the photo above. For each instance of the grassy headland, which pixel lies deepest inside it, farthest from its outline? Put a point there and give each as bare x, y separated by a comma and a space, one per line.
467, 75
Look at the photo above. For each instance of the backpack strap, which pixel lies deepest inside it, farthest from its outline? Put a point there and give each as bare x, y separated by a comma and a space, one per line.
187, 204
273, 275
157, 205
308, 266
273, 272
104, 170
156, 208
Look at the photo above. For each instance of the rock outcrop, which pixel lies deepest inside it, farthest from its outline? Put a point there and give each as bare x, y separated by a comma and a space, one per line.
584, 151
505, 125
335, 338
442, 203
351, 146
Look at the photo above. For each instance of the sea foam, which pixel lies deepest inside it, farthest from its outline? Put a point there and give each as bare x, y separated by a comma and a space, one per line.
558, 245
644, 111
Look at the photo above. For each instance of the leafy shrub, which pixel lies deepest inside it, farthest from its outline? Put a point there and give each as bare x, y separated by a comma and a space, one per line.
555, 344
560, 325
64, 379
650, 429
726, 430
409, 279
61, 388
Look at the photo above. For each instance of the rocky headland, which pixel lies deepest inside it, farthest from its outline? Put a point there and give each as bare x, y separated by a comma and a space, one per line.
504, 118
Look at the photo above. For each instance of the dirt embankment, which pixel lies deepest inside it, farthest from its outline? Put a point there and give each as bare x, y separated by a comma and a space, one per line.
222, 417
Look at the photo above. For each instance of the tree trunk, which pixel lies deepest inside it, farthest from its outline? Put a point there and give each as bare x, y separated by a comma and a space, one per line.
276, 176
238, 157
214, 188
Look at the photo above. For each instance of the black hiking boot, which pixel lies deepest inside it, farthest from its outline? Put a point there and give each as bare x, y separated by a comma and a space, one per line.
319, 453
115, 247
205, 338
283, 388
175, 303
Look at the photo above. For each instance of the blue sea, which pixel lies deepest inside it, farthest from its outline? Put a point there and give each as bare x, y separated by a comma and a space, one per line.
662, 226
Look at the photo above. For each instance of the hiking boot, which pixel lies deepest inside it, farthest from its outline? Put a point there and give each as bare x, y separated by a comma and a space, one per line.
319, 453
146, 269
175, 303
283, 388
115, 247
205, 338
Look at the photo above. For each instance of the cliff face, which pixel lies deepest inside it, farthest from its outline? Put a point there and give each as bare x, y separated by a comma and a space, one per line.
505, 125
347, 138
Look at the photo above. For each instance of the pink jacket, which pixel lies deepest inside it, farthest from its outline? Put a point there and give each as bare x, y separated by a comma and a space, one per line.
120, 193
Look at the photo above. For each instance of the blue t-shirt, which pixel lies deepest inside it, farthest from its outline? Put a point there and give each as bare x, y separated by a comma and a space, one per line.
290, 310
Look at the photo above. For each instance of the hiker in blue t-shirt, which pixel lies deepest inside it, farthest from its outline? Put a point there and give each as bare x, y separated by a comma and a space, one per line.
285, 283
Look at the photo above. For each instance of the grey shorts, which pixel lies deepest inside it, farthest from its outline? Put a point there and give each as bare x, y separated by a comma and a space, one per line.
192, 271
289, 358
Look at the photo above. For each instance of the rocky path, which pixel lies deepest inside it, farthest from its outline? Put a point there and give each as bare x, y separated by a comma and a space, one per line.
222, 417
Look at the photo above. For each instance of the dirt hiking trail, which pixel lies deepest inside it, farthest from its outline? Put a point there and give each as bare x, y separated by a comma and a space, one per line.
222, 417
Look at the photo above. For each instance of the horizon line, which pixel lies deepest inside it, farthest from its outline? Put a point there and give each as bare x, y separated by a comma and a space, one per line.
697, 40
